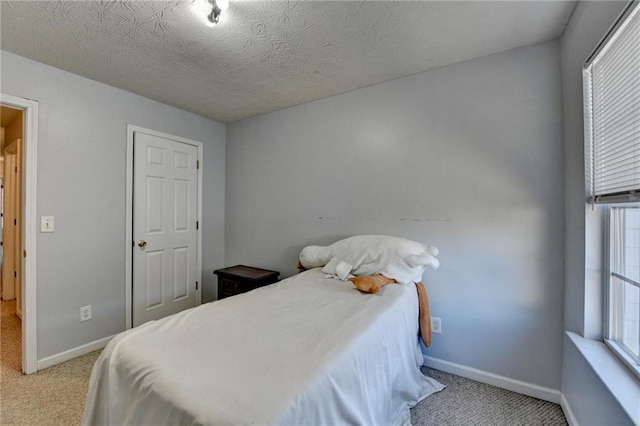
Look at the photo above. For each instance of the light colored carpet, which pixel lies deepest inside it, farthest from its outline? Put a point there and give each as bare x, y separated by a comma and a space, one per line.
467, 402
55, 396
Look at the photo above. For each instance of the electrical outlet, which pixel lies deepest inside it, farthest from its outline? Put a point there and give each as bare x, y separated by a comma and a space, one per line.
436, 325
85, 313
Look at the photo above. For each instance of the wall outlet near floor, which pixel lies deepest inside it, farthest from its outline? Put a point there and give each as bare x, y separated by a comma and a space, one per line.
436, 325
85, 313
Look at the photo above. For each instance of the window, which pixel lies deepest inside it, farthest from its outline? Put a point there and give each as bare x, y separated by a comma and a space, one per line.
612, 153
624, 281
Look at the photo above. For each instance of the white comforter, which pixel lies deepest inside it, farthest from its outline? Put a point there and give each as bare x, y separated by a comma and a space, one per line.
305, 351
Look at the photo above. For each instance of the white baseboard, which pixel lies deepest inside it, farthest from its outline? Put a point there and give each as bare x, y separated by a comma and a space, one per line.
73, 353
568, 413
524, 388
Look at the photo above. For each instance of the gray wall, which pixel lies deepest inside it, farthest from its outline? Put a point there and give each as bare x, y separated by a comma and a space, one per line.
467, 157
81, 181
589, 399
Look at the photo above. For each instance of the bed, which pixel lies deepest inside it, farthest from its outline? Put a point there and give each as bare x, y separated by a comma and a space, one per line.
308, 350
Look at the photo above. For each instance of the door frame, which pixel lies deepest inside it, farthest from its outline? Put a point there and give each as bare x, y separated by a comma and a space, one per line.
29, 228
128, 242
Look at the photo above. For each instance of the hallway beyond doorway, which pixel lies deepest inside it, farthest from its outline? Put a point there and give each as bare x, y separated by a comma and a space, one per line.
10, 339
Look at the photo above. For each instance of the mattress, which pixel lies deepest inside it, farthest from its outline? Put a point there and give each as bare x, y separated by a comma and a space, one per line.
308, 350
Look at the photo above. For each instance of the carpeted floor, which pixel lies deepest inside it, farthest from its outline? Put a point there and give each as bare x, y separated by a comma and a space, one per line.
55, 396
467, 402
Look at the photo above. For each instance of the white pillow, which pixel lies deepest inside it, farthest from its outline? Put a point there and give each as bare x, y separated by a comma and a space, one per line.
398, 258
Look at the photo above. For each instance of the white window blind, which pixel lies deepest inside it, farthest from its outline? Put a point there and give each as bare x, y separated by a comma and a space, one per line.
612, 114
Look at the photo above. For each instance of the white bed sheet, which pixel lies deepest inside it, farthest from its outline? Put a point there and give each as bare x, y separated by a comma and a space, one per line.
305, 351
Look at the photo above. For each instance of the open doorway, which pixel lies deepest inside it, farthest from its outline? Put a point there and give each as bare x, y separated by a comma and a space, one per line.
11, 163
25, 224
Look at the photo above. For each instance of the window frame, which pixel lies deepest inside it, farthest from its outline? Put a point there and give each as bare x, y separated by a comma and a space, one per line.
612, 198
613, 345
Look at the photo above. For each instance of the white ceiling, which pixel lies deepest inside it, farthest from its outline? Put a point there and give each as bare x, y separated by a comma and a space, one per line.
266, 55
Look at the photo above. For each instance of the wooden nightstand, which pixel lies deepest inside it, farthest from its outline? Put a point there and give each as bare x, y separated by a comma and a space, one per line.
240, 279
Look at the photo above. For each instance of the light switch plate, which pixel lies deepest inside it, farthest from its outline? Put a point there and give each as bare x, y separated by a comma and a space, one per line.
46, 224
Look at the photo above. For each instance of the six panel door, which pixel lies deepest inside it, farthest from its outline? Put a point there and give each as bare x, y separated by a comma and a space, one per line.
165, 188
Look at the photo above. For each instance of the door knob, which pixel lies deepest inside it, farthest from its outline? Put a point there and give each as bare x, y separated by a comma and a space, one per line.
142, 243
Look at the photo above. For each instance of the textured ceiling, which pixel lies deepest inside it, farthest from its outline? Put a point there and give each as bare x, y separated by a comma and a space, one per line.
266, 55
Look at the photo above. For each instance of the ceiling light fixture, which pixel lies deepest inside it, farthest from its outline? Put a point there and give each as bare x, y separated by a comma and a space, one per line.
217, 7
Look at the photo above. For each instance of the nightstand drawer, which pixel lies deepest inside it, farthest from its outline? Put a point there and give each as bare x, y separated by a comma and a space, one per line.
228, 287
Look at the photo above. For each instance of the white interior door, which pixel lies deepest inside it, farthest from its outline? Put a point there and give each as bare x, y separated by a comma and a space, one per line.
17, 243
9, 228
165, 208
12, 225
